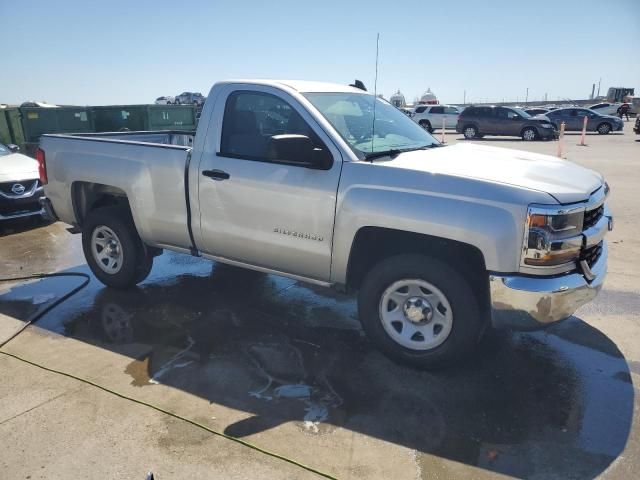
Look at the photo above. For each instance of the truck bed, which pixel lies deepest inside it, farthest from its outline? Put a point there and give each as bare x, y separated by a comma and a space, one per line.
150, 168
156, 137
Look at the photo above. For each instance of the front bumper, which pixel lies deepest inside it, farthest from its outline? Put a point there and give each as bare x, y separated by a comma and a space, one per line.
19, 206
529, 303
547, 133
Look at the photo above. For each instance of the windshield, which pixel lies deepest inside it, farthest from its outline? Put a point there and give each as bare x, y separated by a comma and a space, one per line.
521, 112
4, 150
351, 114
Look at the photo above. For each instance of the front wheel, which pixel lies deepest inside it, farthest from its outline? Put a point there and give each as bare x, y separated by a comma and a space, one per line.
470, 132
426, 124
604, 129
419, 311
113, 249
529, 134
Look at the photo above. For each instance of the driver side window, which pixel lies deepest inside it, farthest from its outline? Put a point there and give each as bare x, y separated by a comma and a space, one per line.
252, 118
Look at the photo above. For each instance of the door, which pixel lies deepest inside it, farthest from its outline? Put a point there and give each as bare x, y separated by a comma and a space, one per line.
436, 116
575, 119
258, 210
506, 121
451, 116
557, 117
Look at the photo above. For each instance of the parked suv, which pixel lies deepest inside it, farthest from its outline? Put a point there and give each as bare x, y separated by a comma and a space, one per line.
573, 119
431, 116
476, 122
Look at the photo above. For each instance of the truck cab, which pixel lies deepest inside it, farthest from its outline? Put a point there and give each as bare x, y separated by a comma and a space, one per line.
332, 186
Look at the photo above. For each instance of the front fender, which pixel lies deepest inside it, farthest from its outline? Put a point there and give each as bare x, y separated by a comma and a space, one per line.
492, 220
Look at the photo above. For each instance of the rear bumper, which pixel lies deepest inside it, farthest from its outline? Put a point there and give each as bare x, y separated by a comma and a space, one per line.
529, 303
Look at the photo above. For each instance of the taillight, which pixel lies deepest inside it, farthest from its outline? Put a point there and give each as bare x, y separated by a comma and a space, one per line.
42, 166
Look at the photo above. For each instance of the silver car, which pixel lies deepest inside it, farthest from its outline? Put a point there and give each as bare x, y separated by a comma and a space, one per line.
573, 119
20, 187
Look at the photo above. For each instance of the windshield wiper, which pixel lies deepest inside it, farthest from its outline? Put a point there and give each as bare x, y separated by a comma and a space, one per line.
394, 152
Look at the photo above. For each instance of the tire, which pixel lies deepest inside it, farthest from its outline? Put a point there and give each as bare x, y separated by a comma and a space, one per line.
426, 124
529, 134
470, 132
177, 102
455, 298
604, 128
128, 262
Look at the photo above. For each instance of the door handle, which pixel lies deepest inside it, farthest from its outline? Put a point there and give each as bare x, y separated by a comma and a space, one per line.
216, 174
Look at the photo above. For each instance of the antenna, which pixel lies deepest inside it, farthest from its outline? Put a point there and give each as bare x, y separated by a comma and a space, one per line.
375, 93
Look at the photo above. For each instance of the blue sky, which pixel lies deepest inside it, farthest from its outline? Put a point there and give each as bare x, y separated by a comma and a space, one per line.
86, 52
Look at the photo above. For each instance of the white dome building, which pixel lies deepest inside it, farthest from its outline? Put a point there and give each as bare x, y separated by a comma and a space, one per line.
397, 100
429, 98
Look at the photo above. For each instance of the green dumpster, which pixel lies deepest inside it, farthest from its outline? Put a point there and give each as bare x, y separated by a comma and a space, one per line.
5, 134
11, 127
118, 118
37, 121
171, 117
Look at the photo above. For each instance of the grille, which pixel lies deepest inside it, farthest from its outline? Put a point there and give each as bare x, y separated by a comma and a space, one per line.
592, 254
5, 187
591, 217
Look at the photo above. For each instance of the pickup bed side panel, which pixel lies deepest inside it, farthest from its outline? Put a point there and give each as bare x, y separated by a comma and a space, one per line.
151, 176
442, 206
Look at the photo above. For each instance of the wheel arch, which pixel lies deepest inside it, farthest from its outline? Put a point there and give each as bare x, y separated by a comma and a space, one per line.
374, 244
88, 196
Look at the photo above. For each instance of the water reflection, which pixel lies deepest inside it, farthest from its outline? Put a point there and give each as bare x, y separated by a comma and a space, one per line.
552, 404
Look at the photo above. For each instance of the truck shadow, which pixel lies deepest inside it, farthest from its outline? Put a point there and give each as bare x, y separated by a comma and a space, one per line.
556, 404
20, 225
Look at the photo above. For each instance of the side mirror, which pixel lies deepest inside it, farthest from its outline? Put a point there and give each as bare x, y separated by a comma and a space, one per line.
298, 150
13, 148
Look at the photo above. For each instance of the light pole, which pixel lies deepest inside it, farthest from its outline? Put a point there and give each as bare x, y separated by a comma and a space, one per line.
527, 97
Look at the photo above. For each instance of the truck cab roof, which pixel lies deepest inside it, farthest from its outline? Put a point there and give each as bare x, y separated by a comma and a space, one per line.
298, 85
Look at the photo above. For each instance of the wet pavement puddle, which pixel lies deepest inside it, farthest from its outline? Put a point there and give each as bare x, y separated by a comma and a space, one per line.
558, 402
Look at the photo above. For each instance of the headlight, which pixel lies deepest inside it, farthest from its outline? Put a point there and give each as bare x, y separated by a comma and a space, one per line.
553, 237
547, 125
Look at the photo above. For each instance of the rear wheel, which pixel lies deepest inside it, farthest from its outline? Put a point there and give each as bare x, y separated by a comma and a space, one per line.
529, 134
420, 311
426, 124
604, 128
470, 132
113, 249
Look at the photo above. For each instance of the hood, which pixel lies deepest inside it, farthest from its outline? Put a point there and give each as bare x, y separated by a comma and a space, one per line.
16, 167
612, 117
565, 181
543, 117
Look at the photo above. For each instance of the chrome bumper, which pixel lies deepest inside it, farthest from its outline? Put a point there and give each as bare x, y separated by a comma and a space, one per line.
528, 303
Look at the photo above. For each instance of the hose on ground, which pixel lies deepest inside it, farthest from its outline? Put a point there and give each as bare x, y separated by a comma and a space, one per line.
68, 295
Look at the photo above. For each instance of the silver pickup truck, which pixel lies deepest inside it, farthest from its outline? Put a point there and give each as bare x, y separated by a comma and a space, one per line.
327, 184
